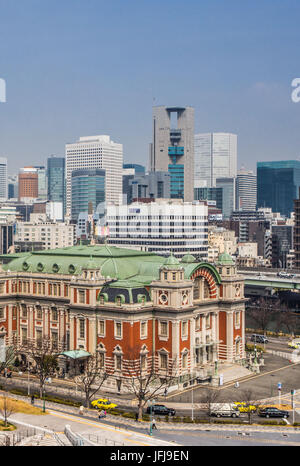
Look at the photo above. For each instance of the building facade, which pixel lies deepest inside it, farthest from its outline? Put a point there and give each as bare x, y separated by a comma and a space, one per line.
228, 195
277, 185
172, 149
39, 229
131, 308
164, 226
56, 180
28, 189
88, 190
215, 157
150, 186
3, 179
246, 190
95, 152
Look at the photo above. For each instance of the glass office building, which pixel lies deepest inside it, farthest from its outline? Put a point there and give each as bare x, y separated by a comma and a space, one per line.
277, 185
88, 190
56, 179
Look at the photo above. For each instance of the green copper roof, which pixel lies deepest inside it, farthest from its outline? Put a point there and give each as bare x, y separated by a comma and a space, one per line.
225, 259
172, 263
75, 354
131, 265
188, 258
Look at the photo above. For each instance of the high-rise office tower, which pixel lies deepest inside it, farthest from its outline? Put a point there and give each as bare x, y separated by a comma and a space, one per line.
56, 179
93, 152
28, 184
12, 186
3, 178
246, 188
42, 182
215, 157
277, 185
172, 149
228, 195
88, 190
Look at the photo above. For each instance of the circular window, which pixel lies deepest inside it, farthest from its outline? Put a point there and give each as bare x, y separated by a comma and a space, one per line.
55, 268
25, 266
71, 268
163, 298
40, 267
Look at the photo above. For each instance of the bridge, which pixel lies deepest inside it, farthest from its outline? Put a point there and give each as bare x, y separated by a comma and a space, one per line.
267, 282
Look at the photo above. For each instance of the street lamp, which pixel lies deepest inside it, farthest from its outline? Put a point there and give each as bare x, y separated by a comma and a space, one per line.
44, 401
150, 402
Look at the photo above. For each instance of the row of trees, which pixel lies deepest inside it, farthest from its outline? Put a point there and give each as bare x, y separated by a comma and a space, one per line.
142, 382
263, 311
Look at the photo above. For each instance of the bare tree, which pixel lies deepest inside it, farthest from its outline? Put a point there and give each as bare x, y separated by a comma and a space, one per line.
144, 381
210, 397
92, 379
8, 358
44, 357
287, 319
250, 405
262, 311
7, 407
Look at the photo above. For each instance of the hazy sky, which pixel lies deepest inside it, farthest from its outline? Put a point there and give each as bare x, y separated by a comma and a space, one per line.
83, 67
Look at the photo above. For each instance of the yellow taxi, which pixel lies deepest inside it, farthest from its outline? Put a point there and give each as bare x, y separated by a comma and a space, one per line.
103, 403
243, 408
295, 344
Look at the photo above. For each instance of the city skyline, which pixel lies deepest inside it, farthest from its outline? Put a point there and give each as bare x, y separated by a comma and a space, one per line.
56, 90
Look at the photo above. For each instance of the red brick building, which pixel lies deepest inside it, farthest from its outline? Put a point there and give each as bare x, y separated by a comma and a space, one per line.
132, 308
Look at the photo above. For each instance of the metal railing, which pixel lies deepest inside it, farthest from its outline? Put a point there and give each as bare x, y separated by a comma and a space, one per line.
100, 440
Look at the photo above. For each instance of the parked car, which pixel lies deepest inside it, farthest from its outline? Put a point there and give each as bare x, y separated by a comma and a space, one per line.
224, 410
259, 338
103, 403
273, 412
162, 410
285, 275
295, 344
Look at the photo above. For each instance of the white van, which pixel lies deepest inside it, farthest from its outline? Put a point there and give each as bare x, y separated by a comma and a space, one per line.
224, 410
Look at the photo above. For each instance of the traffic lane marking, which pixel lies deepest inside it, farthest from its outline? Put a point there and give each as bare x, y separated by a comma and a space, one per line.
91, 423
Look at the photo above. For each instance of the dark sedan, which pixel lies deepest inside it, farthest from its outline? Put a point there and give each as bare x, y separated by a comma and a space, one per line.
273, 412
161, 409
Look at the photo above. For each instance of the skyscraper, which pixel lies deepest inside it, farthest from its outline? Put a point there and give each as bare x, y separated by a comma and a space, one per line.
246, 188
56, 179
277, 185
215, 157
172, 149
42, 182
94, 152
3, 178
228, 195
88, 190
28, 184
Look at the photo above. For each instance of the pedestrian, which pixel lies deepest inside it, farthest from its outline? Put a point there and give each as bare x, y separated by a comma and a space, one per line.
101, 414
81, 410
154, 424
136, 417
32, 399
105, 413
236, 385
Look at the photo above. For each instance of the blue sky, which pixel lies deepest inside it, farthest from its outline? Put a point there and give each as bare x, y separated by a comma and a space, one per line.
82, 67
